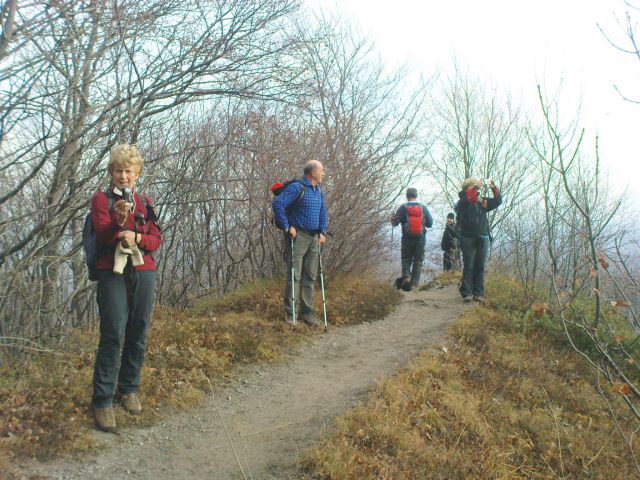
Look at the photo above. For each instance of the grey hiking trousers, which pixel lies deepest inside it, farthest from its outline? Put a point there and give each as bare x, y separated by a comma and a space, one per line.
306, 258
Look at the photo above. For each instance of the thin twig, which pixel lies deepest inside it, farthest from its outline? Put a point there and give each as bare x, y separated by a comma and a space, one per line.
268, 429
555, 420
213, 399
33, 349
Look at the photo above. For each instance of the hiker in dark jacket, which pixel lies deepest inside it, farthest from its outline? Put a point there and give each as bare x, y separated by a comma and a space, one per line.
448, 243
303, 218
415, 219
473, 235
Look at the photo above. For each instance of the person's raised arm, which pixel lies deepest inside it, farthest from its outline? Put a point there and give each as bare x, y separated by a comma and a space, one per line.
106, 223
494, 202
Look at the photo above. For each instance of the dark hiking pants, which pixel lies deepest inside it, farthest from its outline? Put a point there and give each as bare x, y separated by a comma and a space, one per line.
447, 260
124, 304
412, 256
474, 258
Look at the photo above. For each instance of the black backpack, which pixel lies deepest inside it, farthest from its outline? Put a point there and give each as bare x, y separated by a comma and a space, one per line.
277, 188
92, 251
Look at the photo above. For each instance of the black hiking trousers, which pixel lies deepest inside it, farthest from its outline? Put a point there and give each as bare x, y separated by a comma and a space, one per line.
474, 259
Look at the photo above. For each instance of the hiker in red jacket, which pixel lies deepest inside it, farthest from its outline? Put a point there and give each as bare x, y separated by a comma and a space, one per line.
122, 219
415, 219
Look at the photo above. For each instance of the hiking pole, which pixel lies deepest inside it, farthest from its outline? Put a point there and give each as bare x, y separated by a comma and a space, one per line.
324, 302
293, 284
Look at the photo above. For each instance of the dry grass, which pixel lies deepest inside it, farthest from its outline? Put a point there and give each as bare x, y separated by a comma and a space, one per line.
450, 277
44, 399
503, 402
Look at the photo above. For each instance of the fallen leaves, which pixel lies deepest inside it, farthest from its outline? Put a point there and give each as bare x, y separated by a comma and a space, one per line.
619, 303
540, 309
621, 388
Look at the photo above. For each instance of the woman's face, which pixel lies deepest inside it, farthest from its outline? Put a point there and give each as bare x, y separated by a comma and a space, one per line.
124, 176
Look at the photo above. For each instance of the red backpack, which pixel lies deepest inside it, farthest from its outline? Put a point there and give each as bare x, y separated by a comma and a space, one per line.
415, 220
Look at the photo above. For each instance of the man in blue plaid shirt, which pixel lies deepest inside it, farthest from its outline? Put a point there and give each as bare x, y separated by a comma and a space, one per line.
303, 218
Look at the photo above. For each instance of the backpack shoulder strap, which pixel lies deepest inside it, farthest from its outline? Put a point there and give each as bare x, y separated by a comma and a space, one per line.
111, 199
149, 207
143, 199
300, 195
302, 189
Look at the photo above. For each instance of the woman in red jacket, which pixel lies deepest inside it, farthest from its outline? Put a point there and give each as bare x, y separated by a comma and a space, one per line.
121, 215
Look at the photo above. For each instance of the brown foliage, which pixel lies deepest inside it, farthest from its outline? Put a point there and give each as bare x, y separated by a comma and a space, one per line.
45, 401
498, 404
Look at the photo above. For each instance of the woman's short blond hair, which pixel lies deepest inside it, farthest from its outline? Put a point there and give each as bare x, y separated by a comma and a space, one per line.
125, 155
470, 182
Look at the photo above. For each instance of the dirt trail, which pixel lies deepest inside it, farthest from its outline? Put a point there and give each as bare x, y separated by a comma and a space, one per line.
272, 413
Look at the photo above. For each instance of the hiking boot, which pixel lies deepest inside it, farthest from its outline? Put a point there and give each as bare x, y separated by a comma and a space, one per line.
479, 298
289, 320
467, 298
310, 319
105, 419
131, 403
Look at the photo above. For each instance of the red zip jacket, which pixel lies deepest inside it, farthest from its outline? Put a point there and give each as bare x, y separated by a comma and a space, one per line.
106, 228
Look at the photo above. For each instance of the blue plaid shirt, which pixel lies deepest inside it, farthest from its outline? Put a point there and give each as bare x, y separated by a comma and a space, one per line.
309, 214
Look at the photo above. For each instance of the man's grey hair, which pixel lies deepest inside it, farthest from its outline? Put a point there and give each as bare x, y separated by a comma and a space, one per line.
310, 166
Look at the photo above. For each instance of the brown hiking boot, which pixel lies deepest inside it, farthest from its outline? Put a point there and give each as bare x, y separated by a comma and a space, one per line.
131, 403
105, 419
310, 319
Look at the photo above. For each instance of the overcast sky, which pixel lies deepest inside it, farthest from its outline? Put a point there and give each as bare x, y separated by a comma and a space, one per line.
515, 45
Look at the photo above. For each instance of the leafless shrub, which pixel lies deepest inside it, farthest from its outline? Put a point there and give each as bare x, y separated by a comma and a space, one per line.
572, 247
222, 98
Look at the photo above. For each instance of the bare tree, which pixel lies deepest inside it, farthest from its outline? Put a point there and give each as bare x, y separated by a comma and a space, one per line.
477, 132
368, 125
583, 260
628, 44
104, 72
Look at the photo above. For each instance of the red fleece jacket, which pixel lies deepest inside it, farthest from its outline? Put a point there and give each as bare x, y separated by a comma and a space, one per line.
106, 228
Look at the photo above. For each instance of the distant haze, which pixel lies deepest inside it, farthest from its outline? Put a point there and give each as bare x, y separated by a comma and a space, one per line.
514, 46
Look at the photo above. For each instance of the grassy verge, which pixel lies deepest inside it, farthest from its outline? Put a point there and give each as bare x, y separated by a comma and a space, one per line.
450, 277
507, 399
44, 398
